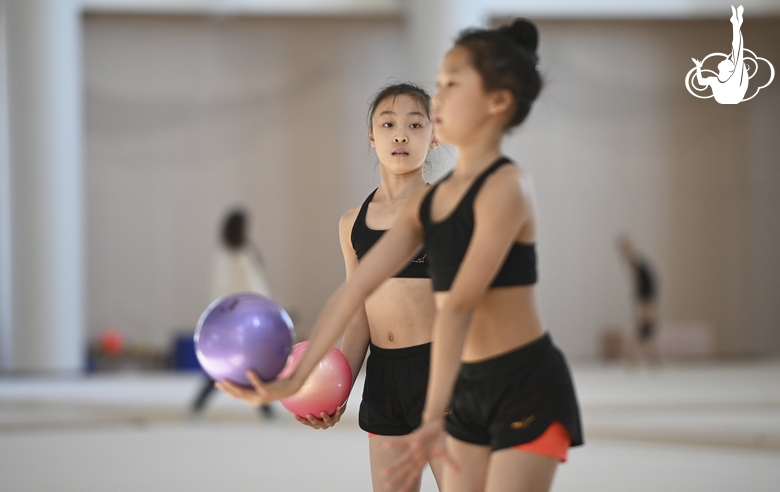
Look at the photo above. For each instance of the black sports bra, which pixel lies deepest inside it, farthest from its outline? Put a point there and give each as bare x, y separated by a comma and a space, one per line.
363, 238
446, 241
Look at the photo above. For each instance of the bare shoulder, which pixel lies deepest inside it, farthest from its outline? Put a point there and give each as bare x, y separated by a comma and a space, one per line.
347, 221
508, 183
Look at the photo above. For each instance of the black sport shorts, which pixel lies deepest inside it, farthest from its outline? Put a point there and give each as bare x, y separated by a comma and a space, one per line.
513, 398
394, 393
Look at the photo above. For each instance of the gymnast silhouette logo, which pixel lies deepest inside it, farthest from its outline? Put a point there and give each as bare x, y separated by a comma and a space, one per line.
735, 70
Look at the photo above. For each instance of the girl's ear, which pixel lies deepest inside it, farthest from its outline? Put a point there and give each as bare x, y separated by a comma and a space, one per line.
434, 142
500, 101
371, 140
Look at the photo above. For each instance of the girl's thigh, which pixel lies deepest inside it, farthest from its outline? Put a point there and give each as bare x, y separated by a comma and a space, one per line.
511, 470
472, 461
381, 457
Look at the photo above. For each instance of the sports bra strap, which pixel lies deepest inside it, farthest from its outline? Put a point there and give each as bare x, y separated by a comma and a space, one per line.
361, 216
477, 184
425, 206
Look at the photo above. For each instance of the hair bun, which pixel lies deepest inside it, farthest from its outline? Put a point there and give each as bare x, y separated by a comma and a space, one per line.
524, 33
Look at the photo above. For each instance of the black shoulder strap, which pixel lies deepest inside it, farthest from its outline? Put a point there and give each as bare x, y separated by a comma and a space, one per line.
468, 199
361, 216
425, 205
360, 221
487, 172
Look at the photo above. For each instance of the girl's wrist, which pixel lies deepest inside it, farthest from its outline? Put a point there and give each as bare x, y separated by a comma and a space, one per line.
297, 379
433, 418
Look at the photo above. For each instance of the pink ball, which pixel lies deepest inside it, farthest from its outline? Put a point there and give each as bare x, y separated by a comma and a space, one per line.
326, 388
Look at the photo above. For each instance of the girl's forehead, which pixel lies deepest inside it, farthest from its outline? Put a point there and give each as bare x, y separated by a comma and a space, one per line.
458, 59
399, 104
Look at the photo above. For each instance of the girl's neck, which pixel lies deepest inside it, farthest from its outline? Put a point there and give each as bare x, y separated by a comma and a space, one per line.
475, 156
394, 187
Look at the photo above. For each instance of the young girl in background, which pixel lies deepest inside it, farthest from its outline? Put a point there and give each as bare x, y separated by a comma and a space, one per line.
394, 324
503, 389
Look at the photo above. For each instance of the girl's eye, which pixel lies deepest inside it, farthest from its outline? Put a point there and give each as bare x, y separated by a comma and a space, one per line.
415, 125
450, 84
387, 125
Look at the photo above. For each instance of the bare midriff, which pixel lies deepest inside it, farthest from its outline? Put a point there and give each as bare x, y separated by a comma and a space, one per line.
400, 313
505, 319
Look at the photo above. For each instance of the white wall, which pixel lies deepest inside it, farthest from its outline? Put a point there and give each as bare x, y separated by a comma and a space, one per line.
6, 339
187, 116
558, 9
617, 144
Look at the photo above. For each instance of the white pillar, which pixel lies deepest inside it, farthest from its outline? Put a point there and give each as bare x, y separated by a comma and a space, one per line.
432, 26
5, 208
43, 40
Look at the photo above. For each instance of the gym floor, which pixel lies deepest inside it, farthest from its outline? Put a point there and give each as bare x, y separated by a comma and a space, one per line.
679, 427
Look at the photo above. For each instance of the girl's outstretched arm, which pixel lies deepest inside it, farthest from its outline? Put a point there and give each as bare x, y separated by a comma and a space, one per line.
357, 336
390, 254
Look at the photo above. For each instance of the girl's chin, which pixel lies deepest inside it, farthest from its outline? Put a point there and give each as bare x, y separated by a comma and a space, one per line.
443, 138
446, 141
406, 168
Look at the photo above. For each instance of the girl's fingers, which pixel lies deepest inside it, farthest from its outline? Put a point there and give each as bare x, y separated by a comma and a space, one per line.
228, 388
256, 396
416, 449
395, 443
404, 474
257, 383
447, 457
402, 463
451, 462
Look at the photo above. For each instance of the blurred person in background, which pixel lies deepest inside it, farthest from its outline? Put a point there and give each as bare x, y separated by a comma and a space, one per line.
238, 267
645, 291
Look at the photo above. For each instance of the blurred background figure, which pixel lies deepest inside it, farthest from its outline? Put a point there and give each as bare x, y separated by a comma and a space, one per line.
238, 267
645, 292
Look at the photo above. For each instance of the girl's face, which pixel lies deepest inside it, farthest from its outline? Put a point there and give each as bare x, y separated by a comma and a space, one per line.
460, 106
401, 133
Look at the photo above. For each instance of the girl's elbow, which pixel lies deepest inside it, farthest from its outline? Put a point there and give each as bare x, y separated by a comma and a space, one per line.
460, 307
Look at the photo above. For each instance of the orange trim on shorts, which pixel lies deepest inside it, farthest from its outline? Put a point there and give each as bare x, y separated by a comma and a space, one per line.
554, 442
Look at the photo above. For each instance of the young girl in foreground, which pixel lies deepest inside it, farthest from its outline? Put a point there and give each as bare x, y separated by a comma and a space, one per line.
513, 412
396, 320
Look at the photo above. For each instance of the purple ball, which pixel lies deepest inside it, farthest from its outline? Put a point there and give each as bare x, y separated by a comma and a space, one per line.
243, 331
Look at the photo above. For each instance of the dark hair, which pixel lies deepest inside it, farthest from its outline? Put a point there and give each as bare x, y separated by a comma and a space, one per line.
404, 89
234, 229
506, 59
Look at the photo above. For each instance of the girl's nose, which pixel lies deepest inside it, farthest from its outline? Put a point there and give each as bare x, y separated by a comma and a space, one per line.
400, 139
